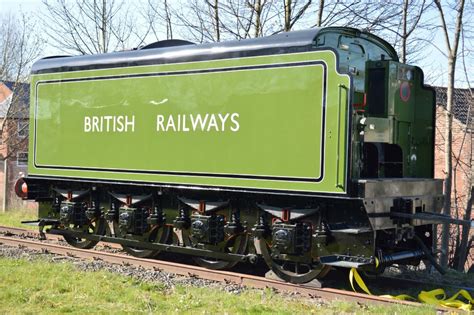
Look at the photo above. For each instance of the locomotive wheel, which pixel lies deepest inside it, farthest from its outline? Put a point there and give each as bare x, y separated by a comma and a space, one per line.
158, 234
96, 226
236, 244
289, 271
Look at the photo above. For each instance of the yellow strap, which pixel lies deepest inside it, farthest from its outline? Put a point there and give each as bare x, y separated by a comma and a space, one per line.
355, 274
434, 297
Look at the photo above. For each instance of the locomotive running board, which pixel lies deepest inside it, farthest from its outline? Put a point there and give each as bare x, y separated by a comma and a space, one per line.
434, 217
346, 261
162, 247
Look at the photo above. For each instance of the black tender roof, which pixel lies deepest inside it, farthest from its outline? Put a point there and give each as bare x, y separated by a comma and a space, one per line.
295, 41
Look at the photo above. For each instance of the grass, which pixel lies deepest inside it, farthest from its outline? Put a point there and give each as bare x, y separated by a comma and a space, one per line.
38, 286
14, 217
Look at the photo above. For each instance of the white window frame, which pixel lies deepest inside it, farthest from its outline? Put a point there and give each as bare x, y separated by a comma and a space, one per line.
22, 129
21, 162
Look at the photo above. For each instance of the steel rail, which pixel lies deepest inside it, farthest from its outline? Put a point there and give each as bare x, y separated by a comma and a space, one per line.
20, 231
36, 235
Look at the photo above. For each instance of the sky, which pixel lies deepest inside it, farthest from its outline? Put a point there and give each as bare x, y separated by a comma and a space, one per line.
434, 65
26, 5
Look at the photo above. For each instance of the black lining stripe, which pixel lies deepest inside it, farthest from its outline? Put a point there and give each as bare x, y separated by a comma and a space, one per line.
285, 192
199, 71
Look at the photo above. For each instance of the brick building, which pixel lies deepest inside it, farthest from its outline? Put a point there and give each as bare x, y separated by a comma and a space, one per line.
462, 149
463, 140
14, 110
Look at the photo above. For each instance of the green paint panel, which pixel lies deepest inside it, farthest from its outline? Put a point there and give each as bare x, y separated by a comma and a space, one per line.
256, 123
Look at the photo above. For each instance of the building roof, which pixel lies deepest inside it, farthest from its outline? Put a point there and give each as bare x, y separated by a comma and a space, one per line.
462, 101
20, 95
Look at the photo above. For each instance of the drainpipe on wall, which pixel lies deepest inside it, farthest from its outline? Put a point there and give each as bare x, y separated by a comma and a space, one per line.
5, 185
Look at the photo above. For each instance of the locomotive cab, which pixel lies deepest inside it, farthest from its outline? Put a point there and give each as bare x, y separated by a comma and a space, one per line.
393, 113
392, 138
397, 134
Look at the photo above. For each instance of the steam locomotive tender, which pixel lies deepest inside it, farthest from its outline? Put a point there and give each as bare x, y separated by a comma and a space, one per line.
309, 149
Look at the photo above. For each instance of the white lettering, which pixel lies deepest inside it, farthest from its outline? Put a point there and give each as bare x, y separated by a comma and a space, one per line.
223, 120
185, 129
170, 124
177, 123
95, 124
159, 122
87, 124
234, 120
130, 123
120, 126
107, 119
109, 123
199, 121
212, 123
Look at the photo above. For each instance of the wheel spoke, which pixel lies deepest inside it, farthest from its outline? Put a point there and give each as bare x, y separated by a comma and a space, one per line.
95, 227
160, 233
236, 244
294, 272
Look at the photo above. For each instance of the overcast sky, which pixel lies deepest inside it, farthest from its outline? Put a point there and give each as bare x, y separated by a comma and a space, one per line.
434, 65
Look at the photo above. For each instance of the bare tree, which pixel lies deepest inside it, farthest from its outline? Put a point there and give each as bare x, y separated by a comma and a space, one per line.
404, 26
463, 165
464, 241
340, 13
452, 45
214, 20
19, 47
411, 16
206, 21
194, 19
257, 7
169, 25
214, 8
320, 13
293, 12
287, 9
90, 27
156, 13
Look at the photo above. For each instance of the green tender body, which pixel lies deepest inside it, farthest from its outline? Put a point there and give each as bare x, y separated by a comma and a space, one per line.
281, 122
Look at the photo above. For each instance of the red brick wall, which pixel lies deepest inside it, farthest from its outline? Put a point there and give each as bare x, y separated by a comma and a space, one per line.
10, 146
462, 145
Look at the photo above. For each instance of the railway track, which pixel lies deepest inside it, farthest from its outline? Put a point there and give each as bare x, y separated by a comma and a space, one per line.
15, 231
11, 237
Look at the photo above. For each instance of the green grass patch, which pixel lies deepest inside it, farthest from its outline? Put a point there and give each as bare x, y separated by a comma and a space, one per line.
40, 286
14, 217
